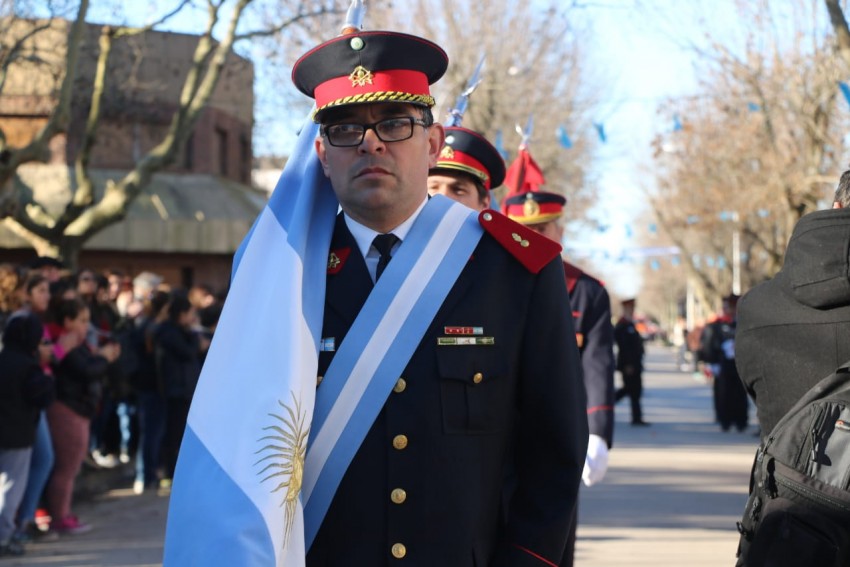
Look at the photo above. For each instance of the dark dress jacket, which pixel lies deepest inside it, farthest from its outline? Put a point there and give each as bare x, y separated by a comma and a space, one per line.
80, 376
177, 359
629, 346
591, 308
794, 330
469, 415
24, 388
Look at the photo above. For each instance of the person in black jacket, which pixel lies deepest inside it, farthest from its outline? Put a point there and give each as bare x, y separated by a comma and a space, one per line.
177, 355
717, 350
24, 391
80, 373
794, 329
630, 360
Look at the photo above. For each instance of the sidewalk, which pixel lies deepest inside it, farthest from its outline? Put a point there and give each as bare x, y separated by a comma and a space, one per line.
674, 490
671, 497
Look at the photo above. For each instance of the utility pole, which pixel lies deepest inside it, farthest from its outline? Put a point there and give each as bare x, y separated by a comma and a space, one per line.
736, 255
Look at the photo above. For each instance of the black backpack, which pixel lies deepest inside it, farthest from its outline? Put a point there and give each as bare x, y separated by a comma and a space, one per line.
798, 511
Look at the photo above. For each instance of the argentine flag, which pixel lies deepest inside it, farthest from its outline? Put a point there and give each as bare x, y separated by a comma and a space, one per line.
236, 493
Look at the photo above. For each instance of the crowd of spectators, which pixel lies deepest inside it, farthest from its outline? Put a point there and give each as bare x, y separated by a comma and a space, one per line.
98, 370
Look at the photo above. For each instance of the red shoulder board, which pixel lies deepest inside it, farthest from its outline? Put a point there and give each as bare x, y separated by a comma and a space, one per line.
531, 249
573, 273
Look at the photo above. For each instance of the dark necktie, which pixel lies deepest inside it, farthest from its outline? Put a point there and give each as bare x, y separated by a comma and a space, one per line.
384, 243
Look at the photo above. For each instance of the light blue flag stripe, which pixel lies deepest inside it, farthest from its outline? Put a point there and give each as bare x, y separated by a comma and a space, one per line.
248, 542
264, 354
396, 351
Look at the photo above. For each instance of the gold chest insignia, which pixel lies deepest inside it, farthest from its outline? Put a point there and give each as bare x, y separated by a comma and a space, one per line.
447, 153
333, 261
283, 457
530, 208
360, 77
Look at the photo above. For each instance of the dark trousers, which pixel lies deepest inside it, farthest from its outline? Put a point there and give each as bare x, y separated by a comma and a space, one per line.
177, 411
730, 401
151, 429
569, 552
632, 387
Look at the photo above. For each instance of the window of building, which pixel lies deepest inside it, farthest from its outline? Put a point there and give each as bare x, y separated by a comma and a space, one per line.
221, 140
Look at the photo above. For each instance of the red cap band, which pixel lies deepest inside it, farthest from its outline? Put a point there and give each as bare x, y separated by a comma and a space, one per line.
465, 162
394, 80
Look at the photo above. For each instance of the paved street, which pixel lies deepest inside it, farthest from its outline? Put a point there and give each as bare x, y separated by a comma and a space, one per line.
671, 497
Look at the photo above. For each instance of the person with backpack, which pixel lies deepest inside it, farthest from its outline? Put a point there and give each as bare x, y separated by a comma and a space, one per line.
794, 329
793, 333
717, 350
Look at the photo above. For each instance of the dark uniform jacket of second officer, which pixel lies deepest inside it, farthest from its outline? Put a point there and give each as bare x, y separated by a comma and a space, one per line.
462, 410
794, 330
591, 308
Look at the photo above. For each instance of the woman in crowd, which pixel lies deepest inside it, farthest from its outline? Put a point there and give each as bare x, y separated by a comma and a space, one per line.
80, 372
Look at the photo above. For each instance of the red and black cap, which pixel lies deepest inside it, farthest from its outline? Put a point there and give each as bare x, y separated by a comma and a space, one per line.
471, 153
535, 207
369, 67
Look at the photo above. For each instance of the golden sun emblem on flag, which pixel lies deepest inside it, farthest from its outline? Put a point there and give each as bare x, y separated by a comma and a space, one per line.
284, 457
360, 77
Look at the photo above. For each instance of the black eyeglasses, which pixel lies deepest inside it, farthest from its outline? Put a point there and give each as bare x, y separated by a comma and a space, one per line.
388, 130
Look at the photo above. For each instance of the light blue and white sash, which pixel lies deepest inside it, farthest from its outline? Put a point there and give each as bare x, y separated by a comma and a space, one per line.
379, 345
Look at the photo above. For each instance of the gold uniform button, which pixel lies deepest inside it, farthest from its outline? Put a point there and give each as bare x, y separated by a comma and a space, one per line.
400, 385
399, 551
398, 496
477, 377
400, 442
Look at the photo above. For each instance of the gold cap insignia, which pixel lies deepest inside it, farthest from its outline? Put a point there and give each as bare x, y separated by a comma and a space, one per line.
530, 208
360, 77
447, 153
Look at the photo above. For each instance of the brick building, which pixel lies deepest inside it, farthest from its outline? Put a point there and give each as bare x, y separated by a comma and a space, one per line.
190, 219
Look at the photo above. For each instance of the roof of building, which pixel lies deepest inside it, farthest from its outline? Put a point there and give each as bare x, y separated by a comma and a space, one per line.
187, 213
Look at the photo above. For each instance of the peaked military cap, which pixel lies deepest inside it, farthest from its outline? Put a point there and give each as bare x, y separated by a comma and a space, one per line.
368, 67
535, 207
471, 153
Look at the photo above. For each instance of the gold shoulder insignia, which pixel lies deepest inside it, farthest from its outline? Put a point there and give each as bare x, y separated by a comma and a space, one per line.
531, 249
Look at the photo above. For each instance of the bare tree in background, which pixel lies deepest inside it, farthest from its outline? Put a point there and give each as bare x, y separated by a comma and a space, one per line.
761, 145
224, 25
535, 66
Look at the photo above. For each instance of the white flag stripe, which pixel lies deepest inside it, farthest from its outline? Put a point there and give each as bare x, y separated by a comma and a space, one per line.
395, 316
228, 421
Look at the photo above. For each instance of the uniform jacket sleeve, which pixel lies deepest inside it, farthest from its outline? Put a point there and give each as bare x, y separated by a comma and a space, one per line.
597, 356
552, 433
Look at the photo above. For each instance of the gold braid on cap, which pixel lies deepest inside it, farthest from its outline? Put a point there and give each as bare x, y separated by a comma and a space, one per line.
461, 167
535, 219
380, 96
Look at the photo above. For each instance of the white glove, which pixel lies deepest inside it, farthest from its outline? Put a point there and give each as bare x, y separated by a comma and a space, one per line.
596, 461
5, 484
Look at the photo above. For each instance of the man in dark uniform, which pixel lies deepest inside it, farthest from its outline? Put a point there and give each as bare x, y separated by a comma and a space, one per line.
717, 349
468, 168
591, 311
794, 330
493, 382
630, 360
